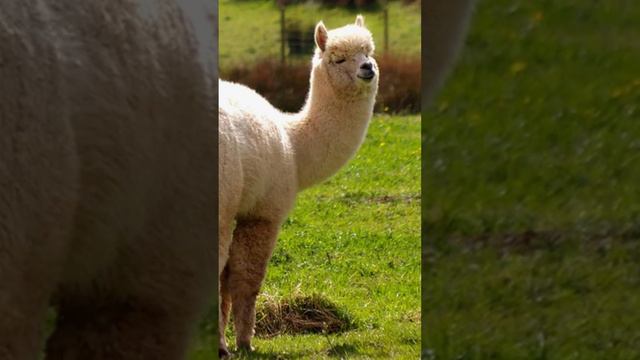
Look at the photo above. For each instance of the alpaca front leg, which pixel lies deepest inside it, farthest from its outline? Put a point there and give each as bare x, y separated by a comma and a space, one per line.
253, 243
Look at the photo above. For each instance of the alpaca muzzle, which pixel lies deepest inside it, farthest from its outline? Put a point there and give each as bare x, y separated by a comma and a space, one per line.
366, 71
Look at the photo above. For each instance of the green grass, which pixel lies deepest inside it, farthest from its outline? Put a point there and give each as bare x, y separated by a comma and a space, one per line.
532, 167
250, 30
355, 239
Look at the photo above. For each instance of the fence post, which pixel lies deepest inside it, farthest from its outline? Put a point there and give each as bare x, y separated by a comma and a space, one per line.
282, 5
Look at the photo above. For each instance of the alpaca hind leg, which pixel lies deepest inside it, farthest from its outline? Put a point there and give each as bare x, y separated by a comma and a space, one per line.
224, 298
224, 309
225, 305
253, 243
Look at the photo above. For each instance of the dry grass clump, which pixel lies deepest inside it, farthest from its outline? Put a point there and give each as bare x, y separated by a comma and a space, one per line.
400, 89
286, 86
300, 314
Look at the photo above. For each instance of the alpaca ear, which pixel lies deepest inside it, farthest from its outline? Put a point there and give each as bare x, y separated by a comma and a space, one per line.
321, 35
360, 20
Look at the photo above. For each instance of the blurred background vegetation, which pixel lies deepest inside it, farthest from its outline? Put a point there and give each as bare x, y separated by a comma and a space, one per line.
531, 182
268, 46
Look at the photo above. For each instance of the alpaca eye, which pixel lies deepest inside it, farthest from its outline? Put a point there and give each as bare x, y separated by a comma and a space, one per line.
340, 61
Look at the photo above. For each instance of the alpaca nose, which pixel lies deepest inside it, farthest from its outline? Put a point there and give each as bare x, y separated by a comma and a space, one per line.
366, 66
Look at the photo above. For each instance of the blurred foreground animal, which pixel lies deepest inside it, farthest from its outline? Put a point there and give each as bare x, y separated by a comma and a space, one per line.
445, 23
107, 156
267, 156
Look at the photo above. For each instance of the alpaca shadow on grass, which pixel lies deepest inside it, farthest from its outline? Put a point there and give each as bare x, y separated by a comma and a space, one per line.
272, 355
336, 351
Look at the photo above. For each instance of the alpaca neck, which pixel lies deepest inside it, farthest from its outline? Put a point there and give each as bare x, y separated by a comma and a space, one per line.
328, 131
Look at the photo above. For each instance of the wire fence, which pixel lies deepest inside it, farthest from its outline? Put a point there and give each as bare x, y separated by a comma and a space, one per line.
270, 52
297, 39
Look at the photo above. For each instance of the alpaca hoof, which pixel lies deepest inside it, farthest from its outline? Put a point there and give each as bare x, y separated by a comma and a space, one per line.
245, 348
223, 353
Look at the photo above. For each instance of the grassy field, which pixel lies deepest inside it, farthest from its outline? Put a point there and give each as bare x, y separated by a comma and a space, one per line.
532, 197
250, 30
355, 240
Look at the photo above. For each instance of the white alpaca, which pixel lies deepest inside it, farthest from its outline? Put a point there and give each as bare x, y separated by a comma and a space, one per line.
267, 156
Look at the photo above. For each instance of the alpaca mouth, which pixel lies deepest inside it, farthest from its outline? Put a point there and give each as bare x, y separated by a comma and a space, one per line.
367, 76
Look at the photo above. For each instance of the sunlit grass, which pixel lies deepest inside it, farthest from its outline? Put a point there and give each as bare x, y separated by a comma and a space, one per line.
355, 240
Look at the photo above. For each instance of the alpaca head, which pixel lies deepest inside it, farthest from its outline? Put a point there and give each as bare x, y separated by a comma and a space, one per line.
343, 59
